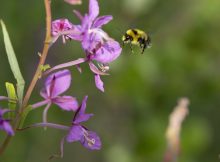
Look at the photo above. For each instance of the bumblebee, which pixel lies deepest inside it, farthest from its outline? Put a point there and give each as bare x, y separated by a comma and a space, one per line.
137, 37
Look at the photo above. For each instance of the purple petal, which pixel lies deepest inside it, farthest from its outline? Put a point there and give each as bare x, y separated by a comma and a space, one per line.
82, 108
86, 23
100, 21
2, 111
102, 48
82, 118
108, 52
91, 141
4, 124
57, 83
67, 103
80, 115
7, 127
75, 33
93, 9
78, 14
60, 25
93, 40
43, 93
86, 42
75, 133
99, 83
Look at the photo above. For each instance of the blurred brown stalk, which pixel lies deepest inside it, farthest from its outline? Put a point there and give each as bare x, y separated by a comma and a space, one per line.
173, 130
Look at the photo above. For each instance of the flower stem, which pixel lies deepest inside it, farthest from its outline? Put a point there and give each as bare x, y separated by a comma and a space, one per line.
45, 112
4, 98
51, 125
43, 55
39, 104
5, 144
60, 154
64, 65
36, 75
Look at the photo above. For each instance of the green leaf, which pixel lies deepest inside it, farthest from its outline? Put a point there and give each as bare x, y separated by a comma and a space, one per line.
24, 115
13, 63
45, 67
12, 98
11, 92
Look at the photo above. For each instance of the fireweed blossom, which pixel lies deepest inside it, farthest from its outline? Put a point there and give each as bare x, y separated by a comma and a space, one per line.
56, 84
76, 132
61, 27
96, 43
58, 26
4, 123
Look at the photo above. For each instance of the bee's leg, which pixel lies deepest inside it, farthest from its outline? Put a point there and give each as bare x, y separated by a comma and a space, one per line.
148, 42
143, 48
141, 44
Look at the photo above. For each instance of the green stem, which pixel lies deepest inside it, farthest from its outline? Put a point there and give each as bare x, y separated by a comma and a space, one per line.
36, 75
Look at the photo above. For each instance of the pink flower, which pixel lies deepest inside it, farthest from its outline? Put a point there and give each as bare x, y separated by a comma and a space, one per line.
77, 132
98, 46
56, 84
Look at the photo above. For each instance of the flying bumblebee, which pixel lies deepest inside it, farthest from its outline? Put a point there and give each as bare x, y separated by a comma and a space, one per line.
137, 37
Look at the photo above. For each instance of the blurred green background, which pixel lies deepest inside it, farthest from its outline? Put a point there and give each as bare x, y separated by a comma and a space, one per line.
132, 115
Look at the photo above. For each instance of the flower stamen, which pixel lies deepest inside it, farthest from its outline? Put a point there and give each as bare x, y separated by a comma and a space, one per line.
103, 67
90, 141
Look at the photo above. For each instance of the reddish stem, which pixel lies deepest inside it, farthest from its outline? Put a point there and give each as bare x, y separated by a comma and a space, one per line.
36, 75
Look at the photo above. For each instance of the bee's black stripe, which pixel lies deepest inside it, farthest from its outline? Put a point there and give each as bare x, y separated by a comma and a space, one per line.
134, 31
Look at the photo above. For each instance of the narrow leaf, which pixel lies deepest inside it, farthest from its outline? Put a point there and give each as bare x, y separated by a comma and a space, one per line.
13, 63
11, 92
12, 98
24, 115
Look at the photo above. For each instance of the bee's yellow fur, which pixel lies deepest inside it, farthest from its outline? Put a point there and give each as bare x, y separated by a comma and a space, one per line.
137, 37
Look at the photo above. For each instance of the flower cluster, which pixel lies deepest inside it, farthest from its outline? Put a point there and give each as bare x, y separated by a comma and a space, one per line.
56, 84
96, 43
100, 50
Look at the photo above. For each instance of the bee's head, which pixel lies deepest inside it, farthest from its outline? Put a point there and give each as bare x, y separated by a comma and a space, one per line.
126, 38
